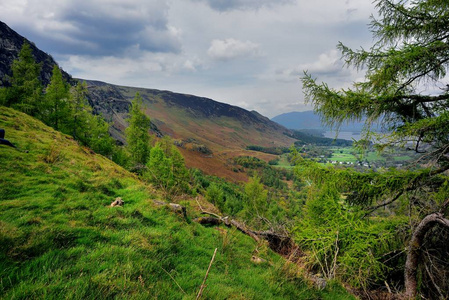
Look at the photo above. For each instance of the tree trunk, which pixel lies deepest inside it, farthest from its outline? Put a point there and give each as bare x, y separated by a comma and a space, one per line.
414, 253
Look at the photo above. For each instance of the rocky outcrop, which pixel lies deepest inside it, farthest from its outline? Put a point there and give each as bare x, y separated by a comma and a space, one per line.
10, 44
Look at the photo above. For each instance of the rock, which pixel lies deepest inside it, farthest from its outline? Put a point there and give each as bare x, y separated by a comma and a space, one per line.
178, 209
117, 202
257, 260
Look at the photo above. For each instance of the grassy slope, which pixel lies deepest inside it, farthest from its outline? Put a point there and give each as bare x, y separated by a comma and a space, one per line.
60, 239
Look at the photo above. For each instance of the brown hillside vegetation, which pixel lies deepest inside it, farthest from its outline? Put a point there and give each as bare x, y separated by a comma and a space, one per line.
195, 122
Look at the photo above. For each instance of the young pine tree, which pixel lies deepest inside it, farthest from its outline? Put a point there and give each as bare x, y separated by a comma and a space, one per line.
80, 111
256, 198
90, 130
166, 168
55, 109
137, 133
25, 92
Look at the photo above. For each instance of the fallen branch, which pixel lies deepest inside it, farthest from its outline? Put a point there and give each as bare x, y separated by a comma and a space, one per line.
278, 242
203, 286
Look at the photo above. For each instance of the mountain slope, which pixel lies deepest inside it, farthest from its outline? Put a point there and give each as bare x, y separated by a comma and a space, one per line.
310, 120
208, 132
10, 44
195, 122
59, 238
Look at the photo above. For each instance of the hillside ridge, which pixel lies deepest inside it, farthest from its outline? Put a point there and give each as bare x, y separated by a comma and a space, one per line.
59, 236
10, 44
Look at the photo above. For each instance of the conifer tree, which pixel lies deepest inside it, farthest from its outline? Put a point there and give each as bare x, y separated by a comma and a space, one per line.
166, 168
256, 196
25, 92
406, 87
137, 133
55, 109
80, 111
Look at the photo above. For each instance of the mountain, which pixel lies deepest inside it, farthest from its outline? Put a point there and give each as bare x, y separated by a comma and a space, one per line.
310, 120
10, 44
208, 132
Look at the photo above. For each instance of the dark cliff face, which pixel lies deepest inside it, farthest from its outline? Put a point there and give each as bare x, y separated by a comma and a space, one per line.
185, 116
107, 99
10, 44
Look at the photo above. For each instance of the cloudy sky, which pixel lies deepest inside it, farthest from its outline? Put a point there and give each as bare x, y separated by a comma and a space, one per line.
249, 53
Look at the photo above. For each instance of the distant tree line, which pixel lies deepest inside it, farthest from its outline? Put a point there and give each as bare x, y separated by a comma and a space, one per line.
269, 150
307, 138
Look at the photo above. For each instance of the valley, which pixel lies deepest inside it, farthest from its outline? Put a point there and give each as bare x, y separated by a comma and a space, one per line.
109, 191
222, 131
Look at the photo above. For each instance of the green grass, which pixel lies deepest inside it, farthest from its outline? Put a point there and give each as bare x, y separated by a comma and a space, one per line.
60, 239
283, 162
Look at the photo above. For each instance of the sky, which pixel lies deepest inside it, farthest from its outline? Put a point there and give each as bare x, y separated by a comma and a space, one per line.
249, 53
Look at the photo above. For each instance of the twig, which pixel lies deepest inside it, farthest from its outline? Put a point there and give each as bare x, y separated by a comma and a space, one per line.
174, 281
432, 278
207, 212
334, 262
444, 206
205, 277
196, 199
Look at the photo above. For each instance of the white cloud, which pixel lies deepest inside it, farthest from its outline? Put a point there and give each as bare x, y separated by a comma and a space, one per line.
327, 64
185, 46
231, 48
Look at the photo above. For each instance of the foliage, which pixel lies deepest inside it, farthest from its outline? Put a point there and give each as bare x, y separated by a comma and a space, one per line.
412, 50
137, 133
269, 175
256, 198
304, 137
62, 107
166, 168
55, 107
269, 150
404, 86
91, 130
227, 196
59, 237
339, 241
25, 92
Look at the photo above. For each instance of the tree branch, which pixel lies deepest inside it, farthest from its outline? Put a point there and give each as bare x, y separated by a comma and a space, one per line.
413, 255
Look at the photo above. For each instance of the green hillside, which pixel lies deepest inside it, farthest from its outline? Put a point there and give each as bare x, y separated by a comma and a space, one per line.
59, 237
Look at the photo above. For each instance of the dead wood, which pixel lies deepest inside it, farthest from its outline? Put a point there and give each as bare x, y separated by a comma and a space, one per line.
244, 229
203, 285
414, 251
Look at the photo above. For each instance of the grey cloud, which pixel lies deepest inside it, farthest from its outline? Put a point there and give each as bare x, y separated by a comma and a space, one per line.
228, 5
101, 29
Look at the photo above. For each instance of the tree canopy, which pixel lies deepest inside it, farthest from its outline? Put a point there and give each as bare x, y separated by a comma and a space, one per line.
404, 80
137, 133
405, 86
25, 92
